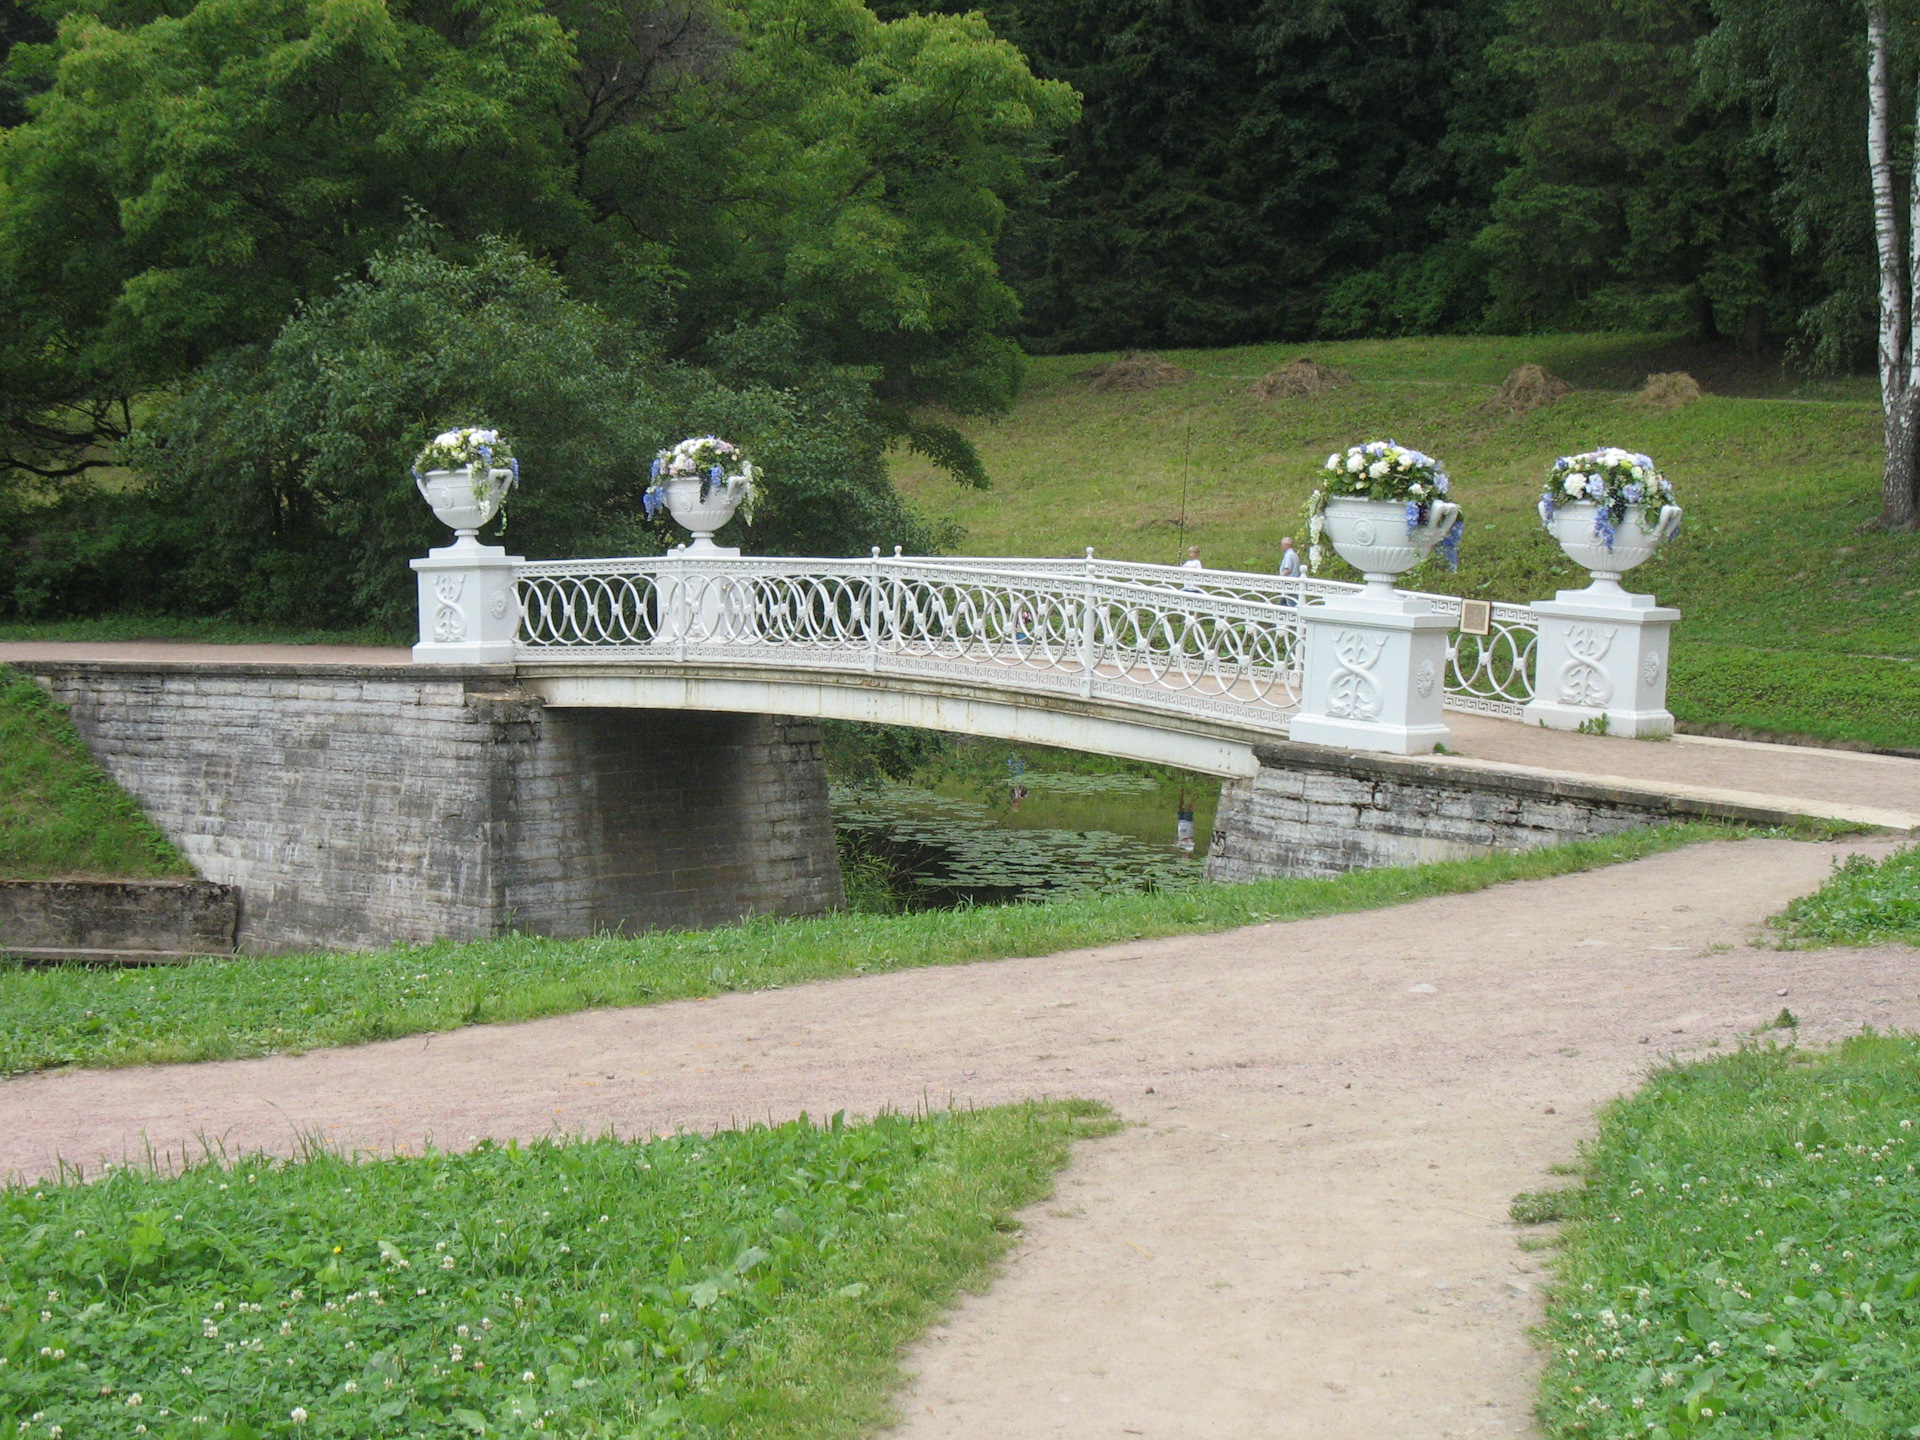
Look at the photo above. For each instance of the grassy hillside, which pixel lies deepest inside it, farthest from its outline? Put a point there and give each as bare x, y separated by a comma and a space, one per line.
59, 813
1771, 571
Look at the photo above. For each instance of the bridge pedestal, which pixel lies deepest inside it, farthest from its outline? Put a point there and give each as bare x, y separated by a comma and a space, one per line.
1375, 674
1602, 662
468, 614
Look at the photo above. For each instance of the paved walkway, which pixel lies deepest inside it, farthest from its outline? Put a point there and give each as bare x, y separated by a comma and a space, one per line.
1842, 784
1300, 1235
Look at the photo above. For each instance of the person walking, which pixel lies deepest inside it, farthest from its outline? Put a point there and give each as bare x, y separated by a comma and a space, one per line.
1290, 568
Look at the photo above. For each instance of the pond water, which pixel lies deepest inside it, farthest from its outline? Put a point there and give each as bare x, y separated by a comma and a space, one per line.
1027, 825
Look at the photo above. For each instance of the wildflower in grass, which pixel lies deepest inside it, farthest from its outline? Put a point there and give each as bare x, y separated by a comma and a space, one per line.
135, 1398
298, 1414
527, 1377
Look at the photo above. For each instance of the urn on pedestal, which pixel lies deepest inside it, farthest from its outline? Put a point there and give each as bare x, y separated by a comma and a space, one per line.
468, 610
1601, 665
1375, 671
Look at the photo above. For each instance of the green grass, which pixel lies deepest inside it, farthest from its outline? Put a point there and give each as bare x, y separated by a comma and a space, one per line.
1742, 1259
201, 629
209, 1010
1825, 697
1867, 902
752, 1283
1775, 486
59, 813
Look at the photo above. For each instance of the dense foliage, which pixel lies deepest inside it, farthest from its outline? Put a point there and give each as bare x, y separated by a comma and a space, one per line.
1741, 1259
258, 249
752, 1282
826, 227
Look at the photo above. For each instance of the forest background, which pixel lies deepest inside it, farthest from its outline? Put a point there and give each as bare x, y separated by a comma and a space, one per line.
254, 252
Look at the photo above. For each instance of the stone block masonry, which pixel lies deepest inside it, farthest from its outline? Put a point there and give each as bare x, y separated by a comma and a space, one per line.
1315, 810
359, 806
116, 919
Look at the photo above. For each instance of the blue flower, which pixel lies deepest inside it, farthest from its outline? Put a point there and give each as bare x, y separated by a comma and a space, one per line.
1597, 488
1634, 493
1449, 546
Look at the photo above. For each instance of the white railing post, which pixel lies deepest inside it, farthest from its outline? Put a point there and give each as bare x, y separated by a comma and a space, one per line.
1087, 631
873, 611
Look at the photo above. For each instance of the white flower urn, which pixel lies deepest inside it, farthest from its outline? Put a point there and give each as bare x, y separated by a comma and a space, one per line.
1574, 525
465, 499
469, 608
1373, 536
703, 515
1601, 662
1375, 672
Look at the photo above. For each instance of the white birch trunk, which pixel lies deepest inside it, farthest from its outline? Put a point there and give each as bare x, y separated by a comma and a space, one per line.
1899, 266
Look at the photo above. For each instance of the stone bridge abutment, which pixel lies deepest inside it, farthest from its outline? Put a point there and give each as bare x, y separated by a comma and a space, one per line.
365, 806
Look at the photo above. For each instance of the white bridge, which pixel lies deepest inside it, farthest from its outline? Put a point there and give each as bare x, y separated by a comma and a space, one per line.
1154, 662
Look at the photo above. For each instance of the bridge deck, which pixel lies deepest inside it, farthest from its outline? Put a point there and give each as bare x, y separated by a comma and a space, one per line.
1841, 784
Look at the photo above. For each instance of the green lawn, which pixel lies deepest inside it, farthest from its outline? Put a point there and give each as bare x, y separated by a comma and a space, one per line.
205, 630
59, 813
256, 1005
1744, 1258
753, 1283
1867, 902
1771, 564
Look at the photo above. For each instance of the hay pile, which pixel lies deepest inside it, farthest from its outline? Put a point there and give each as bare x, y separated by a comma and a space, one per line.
1135, 370
1528, 387
1671, 390
1299, 379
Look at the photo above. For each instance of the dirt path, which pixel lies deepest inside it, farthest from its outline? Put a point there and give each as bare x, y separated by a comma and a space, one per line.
1302, 1231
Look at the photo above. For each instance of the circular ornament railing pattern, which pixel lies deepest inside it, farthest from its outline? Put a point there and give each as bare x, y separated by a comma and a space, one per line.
1218, 641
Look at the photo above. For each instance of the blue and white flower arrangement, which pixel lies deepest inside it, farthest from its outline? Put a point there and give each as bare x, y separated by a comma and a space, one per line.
1383, 470
469, 446
1615, 482
709, 459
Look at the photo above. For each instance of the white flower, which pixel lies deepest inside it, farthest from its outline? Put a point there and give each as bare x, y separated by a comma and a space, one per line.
527, 1377
1576, 484
1377, 470
352, 1387
1333, 461
1355, 464
446, 1262
456, 1354
1416, 489
298, 1414
135, 1398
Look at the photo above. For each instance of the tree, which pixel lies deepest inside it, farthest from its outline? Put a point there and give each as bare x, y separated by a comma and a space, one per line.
187, 179
1816, 74
1238, 160
282, 469
1634, 198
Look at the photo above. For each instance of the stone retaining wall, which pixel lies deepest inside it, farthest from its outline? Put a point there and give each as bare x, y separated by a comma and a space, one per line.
362, 806
1316, 810
127, 919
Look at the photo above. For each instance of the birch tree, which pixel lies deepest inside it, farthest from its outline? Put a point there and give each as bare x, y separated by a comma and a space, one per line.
1798, 64
1899, 279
